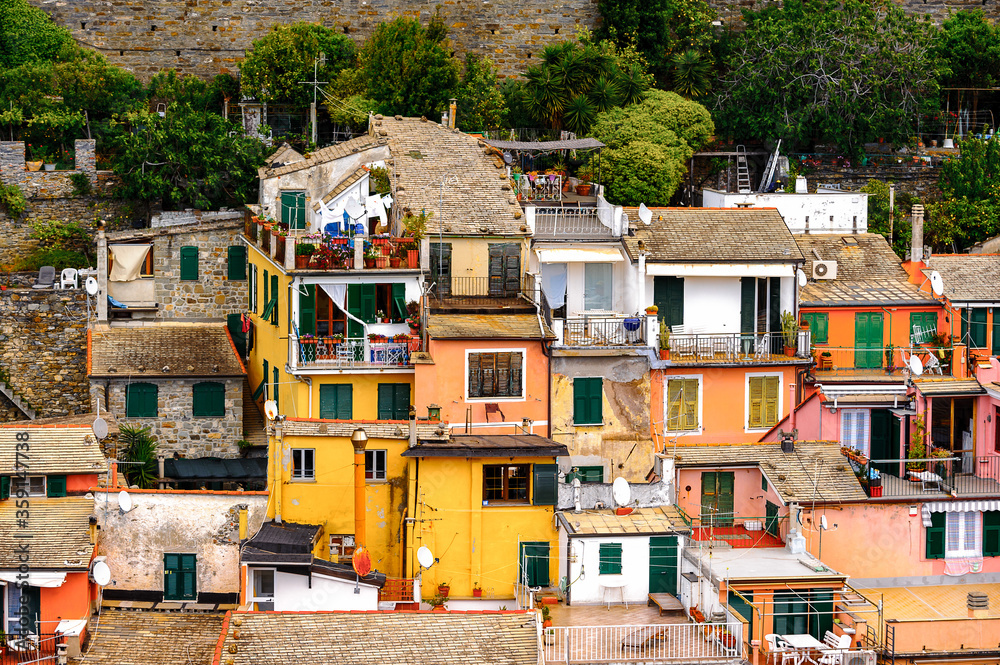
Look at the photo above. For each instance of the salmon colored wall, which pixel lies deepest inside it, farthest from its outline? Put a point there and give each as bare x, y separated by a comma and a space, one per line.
812, 420
80, 482
69, 601
443, 382
895, 324
763, 601
722, 386
866, 540
955, 636
749, 499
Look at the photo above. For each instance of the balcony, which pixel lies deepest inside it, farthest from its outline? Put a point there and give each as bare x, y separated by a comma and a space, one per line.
541, 187
483, 292
602, 331
559, 223
928, 478
30, 648
736, 348
891, 361
335, 353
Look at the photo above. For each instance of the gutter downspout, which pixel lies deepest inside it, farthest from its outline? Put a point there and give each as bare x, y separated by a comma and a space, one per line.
278, 475
547, 352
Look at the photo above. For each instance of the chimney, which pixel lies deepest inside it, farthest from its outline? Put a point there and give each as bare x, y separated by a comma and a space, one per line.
243, 521
359, 440
978, 604
413, 426
917, 237
452, 111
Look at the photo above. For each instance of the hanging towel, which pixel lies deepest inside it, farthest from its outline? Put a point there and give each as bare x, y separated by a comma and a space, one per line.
338, 295
554, 284
128, 260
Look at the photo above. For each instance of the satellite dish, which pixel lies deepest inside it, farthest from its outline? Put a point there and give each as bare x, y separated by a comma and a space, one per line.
270, 409
621, 491
424, 557
508, 159
91, 286
822, 522
354, 209
937, 284
361, 560
125, 501
101, 573
801, 276
100, 428
915, 365
644, 214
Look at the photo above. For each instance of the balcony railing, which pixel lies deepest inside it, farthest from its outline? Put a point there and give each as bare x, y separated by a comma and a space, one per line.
570, 223
892, 360
17, 650
587, 331
653, 643
396, 590
740, 348
541, 187
337, 353
963, 475
483, 291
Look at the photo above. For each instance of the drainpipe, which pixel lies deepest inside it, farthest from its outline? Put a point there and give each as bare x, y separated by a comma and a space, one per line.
359, 440
413, 426
278, 476
640, 287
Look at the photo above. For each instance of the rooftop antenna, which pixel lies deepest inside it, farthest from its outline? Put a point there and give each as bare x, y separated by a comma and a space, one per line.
315, 84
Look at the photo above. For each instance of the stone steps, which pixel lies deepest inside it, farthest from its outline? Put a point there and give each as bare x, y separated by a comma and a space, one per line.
9, 393
253, 420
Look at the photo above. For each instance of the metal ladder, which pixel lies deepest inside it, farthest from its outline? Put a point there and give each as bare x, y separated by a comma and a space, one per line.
742, 171
772, 163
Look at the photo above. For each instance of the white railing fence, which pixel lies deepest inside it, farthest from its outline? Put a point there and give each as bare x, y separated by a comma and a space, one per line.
655, 643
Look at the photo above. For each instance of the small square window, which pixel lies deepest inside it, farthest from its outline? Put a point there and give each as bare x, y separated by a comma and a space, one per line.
609, 557
263, 583
506, 482
33, 485
303, 464
341, 547
375, 464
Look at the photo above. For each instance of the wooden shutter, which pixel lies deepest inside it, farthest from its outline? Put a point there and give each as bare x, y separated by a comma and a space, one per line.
171, 567
818, 326
293, 209
512, 269
516, 389
487, 368
336, 401
991, 533
934, 547
236, 262
399, 300
668, 296
588, 401
209, 399
609, 559
756, 415
385, 397
274, 298
978, 328
141, 400
725, 499
995, 350
441, 267
189, 263
276, 394
496, 268
307, 310
503, 388
774, 303
689, 402
55, 486
475, 374
4, 487
188, 585
354, 329
545, 481
369, 303
748, 303
709, 496
401, 401
771, 386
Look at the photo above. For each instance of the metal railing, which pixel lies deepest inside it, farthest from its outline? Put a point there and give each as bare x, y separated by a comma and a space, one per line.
604, 331
335, 353
570, 223
654, 643
845, 360
398, 590
483, 290
17, 650
735, 347
961, 475
524, 595
541, 187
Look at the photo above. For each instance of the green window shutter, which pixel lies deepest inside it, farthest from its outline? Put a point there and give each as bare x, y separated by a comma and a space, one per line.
141, 400
369, 303
587, 474
756, 415
354, 329
267, 297
587, 401
995, 350
385, 397
4, 487
923, 321
55, 486
276, 394
208, 399
336, 401
668, 296
818, 326
748, 303
935, 537
965, 326
236, 262
399, 300
609, 557
307, 310
991, 533
763, 482
978, 327
189, 263
259, 390
771, 387
263, 381
268, 312
401, 402
293, 209
545, 480
274, 299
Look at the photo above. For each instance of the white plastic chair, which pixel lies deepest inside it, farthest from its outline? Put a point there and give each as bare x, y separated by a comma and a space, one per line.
834, 654
69, 279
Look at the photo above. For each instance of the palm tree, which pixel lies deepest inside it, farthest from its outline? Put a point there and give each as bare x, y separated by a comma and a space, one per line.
691, 72
605, 94
633, 84
545, 94
579, 114
139, 454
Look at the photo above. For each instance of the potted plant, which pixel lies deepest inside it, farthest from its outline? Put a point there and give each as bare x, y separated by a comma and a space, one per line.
664, 341
586, 175
918, 450
437, 603
375, 337
826, 360
546, 617
652, 310
477, 591
789, 329
303, 254
381, 260
444, 589
415, 226
370, 256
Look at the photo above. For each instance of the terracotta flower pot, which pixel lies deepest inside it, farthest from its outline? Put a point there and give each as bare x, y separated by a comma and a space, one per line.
302, 261
394, 262
444, 590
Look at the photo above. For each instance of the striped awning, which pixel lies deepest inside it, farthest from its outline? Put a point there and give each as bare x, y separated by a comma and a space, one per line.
956, 507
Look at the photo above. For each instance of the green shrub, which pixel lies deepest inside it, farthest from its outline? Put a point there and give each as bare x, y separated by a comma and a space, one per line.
12, 200
139, 454
56, 234
57, 258
81, 184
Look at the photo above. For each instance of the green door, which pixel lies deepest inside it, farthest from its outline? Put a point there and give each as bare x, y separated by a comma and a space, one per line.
868, 340
771, 521
740, 604
791, 612
663, 564
307, 310
717, 498
882, 444
180, 577
533, 564
668, 296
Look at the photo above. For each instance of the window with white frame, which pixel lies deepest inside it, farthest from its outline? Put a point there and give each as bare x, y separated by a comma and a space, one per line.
375, 464
855, 429
597, 283
303, 464
33, 485
263, 584
682, 409
963, 535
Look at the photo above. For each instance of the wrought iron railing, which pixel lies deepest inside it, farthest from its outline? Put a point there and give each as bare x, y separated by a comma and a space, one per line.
603, 331
653, 643
570, 223
736, 347
337, 353
396, 590
846, 360
960, 475
32, 648
483, 290
541, 187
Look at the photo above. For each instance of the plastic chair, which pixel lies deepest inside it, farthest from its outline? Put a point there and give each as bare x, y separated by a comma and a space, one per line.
835, 653
46, 278
69, 279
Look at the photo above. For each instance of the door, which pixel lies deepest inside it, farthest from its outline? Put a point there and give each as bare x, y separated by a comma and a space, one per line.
533, 564
25, 601
791, 612
868, 340
717, 498
748, 304
880, 441
441, 268
307, 310
668, 296
663, 564
740, 604
771, 521
505, 270
180, 577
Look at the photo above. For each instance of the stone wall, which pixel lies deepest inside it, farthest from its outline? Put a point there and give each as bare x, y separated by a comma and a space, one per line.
43, 350
176, 430
45, 184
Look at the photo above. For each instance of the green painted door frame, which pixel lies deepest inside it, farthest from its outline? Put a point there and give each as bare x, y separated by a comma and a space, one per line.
663, 564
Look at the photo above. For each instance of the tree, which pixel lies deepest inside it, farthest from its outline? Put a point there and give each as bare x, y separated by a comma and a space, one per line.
407, 69
139, 454
969, 209
897, 232
27, 34
169, 86
480, 102
273, 72
969, 47
843, 72
185, 159
648, 145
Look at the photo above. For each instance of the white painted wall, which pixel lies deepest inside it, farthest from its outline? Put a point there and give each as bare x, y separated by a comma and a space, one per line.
712, 304
292, 593
576, 280
849, 210
587, 588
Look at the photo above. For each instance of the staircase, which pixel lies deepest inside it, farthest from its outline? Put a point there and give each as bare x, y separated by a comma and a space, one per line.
253, 420
9, 393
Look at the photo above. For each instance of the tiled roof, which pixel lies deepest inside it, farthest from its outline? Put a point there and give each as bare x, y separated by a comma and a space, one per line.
377, 638
476, 198
81, 419
324, 155
59, 530
52, 449
348, 180
968, 277
815, 471
949, 386
487, 326
374, 429
868, 272
185, 350
713, 235
662, 519
490, 445
146, 637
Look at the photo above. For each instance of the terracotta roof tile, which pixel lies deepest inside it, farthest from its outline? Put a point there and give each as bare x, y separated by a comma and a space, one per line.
53, 450
486, 326
186, 350
968, 277
131, 637
59, 530
349, 180
328, 154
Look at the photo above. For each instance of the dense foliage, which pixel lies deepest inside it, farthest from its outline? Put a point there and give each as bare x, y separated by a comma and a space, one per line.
28, 35
897, 228
969, 47
480, 102
969, 209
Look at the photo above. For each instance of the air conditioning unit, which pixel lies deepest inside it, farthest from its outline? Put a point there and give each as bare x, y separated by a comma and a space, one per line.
824, 270
858, 658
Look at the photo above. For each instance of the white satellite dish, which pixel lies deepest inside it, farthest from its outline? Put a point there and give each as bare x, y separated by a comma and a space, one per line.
355, 209
915, 365
937, 284
100, 428
125, 501
801, 276
101, 573
822, 522
621, 491
424, 557
644, 214
91, 286
270, 409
